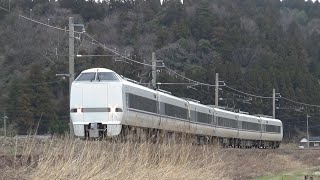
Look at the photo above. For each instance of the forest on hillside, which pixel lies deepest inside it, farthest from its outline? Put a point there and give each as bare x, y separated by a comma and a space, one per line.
254, 45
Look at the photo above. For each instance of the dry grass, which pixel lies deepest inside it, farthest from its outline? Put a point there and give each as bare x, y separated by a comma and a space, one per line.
77, 159
289, 146
250, 163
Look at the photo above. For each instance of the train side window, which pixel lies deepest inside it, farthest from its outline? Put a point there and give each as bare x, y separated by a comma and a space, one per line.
142, 103
204, 118
175, 111
273, 128
225, 122
251, 126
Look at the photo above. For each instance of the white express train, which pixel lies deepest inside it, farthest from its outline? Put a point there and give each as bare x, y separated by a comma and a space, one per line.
102, 103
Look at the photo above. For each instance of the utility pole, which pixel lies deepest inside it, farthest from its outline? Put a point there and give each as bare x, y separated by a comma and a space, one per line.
308, 131
71, 65
274, 103
154, 70
217, 90
4, 124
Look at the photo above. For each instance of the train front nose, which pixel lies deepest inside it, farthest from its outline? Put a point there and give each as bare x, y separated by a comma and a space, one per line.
94, 108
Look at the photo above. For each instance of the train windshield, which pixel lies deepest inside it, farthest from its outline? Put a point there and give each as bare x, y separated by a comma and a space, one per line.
106, 76
86, 77
101, 76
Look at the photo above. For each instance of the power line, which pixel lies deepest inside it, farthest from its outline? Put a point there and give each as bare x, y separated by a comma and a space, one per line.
117, 53
38, 22
129, 59
186, 78
252, 95
191, 80
175, 83
183, 77
36, 84
95, 55
301, 103
197, 82
172, 71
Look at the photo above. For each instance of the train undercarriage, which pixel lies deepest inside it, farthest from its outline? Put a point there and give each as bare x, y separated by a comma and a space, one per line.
139, 134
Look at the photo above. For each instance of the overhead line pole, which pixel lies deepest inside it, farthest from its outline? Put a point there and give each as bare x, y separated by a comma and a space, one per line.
217, 90
308, 144
274, 103
4, 124
154, 71
71, 65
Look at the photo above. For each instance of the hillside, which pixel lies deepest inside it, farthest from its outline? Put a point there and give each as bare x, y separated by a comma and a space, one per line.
254, 46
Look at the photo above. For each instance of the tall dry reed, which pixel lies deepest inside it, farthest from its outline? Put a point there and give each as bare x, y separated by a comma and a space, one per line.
78, 159
66, 158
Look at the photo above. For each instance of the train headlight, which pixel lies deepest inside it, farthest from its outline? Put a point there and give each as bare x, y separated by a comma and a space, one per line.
118, 110
76, 110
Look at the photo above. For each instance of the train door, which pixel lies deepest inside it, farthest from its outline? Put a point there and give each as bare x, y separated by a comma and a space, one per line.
189, 118
125, 104
238, 127
263, 127
163, 119
214, 121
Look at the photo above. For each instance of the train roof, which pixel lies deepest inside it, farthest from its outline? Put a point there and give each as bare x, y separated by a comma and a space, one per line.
127, 82
171, 96
97, 70
271, 119
224, 111
248, 116
198, 104
136, 85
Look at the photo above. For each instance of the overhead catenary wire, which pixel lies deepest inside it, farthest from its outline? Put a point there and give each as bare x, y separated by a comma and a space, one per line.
95, 55
41, 23
160, 83
40, 83
248, 94
172, 71
38, 22
191, 80
118, 53
97, 43
35, 84
301, 103
129, 59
